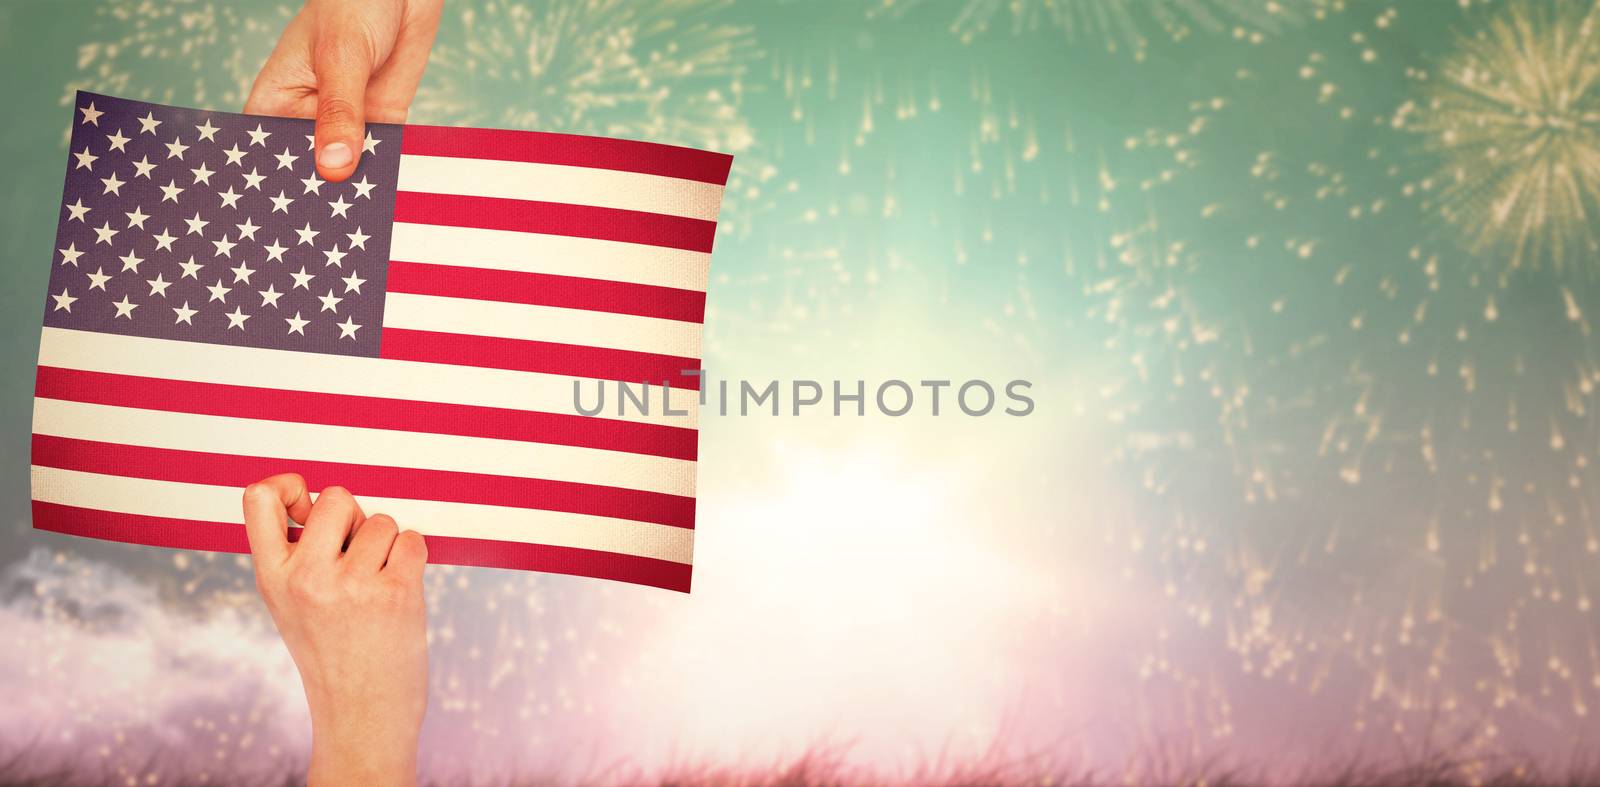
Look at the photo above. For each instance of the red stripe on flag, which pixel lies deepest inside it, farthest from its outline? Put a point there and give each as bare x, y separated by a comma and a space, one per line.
138, 529
371, 412
555, 218
198, 467
567, 150
599, 363
442, 550
543, 289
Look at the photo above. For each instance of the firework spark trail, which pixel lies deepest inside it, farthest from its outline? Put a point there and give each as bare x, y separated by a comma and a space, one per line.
927, 151
1513, 115
1120, 25
669, 72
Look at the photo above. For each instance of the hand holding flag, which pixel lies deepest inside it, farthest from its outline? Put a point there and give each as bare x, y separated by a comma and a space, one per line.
344, 63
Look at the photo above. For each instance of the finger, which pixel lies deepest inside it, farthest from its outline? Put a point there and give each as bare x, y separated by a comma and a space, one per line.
369, 547
343, 61
332, 516
268, 505
394, 85
279, 88
407, 557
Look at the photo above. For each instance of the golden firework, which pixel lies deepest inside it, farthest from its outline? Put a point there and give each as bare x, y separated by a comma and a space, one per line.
1514, 117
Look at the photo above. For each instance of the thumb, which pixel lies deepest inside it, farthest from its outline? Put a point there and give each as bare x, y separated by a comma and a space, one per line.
343, 64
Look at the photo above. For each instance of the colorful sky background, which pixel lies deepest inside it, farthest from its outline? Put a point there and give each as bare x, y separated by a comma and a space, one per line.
1303, 286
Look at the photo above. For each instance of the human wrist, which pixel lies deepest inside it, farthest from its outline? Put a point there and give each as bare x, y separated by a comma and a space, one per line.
351, 752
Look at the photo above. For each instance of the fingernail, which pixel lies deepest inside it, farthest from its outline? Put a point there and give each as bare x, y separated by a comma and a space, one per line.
335, 155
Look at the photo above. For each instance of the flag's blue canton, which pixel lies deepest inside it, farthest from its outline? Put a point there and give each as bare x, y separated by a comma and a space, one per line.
211, 226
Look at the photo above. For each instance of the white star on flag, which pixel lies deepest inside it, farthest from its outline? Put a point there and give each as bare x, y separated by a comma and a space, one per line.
185, 314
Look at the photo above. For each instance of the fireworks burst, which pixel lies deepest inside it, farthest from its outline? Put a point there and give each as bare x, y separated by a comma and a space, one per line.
192, 52
668, 72
1514, 117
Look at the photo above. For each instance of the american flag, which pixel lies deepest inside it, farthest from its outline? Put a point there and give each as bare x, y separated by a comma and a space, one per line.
217, 314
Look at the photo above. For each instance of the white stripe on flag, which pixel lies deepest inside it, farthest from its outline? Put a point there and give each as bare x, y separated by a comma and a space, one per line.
604, 188
359, 445
336, 374
542, 324
207, 503
558, 255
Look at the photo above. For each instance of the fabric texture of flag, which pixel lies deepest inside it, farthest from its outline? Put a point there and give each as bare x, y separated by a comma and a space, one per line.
218, 314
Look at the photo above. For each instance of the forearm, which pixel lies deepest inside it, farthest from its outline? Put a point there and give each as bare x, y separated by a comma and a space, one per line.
358, 751
353, 619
